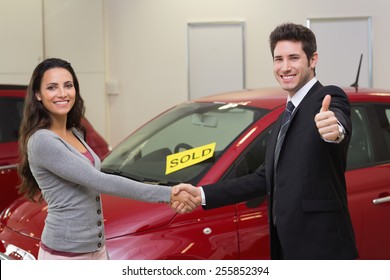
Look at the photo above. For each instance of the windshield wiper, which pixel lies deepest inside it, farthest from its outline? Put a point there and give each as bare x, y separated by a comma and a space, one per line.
123, 174
139, 178
161, 182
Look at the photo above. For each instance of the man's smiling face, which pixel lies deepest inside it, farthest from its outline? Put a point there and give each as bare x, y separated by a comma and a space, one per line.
292, 69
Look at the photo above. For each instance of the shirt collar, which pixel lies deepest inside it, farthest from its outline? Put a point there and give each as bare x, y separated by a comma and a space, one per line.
301, 93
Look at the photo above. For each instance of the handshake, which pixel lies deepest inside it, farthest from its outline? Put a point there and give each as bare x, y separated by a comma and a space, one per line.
185, 198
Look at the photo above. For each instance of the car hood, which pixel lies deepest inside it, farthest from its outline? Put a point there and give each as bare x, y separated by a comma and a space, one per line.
122, 216
125, 216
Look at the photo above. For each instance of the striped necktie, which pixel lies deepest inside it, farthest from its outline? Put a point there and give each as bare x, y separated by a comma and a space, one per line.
282, 133
283, 129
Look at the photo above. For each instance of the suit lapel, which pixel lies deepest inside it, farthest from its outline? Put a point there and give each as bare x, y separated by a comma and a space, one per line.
309, 94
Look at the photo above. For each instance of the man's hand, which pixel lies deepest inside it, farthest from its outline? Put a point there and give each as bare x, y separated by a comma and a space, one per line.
326, 121
185, 198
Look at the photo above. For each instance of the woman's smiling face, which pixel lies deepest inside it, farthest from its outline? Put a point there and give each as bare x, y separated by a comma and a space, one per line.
57, 92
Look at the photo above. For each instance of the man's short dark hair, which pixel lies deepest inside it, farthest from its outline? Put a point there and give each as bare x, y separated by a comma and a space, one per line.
297, 33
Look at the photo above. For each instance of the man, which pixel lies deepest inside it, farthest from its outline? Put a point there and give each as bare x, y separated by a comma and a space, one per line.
303, 172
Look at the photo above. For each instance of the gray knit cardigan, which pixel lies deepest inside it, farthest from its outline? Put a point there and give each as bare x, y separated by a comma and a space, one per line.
71, 186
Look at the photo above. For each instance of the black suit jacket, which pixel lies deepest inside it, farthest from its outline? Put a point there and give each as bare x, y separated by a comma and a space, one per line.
313, 220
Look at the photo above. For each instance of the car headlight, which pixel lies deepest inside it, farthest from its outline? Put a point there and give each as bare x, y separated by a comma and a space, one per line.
16, 253
4, 257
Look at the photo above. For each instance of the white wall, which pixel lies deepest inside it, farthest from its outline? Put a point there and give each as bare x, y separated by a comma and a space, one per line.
74, 31
147, 46
21, 34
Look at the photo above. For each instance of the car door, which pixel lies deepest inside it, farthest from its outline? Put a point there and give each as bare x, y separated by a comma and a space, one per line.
252, 216
368, 179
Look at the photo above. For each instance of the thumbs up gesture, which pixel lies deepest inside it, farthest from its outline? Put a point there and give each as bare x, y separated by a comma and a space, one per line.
326, 121
326, 103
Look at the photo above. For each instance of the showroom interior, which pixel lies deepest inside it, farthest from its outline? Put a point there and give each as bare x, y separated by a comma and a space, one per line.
132, 57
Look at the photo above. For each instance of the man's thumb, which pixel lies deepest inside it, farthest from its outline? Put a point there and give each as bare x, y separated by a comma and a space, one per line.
325, 103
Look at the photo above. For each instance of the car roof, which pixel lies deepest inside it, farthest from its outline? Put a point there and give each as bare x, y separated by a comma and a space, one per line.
271, 98
13, 90
12, 87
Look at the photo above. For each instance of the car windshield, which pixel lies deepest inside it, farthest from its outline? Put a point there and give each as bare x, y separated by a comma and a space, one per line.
181, 144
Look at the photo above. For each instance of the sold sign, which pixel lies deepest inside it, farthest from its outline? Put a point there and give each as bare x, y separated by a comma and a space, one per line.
190, 157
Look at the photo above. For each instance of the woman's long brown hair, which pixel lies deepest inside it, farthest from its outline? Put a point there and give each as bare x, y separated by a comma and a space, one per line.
35, 117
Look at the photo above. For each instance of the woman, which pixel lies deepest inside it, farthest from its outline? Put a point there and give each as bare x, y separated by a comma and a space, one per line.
58, 164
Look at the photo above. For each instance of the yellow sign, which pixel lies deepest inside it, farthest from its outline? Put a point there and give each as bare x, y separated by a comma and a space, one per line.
190, 157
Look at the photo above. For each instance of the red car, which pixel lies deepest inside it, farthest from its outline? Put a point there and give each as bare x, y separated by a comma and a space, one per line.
11, 111
212, 139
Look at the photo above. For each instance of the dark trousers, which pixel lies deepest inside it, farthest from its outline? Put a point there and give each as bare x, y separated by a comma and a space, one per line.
278, 249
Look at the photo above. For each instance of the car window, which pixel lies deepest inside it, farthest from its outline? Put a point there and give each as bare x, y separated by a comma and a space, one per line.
11, 110
144, 154
382, 120
360, 152
251, 159
386, 127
